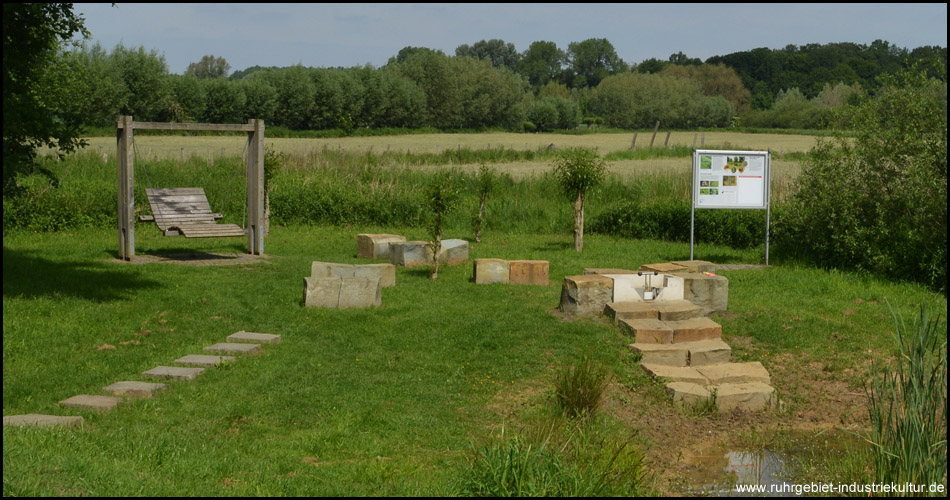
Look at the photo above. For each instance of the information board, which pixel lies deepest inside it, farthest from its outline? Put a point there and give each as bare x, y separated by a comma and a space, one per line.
731, 179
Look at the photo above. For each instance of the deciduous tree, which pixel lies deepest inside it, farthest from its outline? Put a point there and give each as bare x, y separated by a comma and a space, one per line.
577, 171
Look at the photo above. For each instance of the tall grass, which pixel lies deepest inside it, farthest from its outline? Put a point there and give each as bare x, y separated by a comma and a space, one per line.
580, 388
908, 407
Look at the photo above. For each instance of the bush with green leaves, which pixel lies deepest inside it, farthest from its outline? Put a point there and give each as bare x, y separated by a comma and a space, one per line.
876, 199
577, 171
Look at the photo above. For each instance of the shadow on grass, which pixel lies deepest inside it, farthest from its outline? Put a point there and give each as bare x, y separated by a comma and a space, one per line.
554, 246
30, 276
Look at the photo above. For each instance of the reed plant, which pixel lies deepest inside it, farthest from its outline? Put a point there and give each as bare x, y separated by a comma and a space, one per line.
908, 407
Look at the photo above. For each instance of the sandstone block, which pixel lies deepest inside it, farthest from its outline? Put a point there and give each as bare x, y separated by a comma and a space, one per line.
410, 253
260, 338
735, 373
134, 389
707, 352
617, 311
693, 329
696, 266
322, 292
648, 331
376, 246
586, 294
710, 293
749, 396
677, 310
454, 251
528, 272
87, 402
687, 393
661, 354
675, 374
38, 420
607, 270
663, 267
386, 273
488, 271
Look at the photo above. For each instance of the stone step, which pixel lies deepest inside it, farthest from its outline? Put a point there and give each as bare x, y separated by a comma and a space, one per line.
173, 373
260, 338
87, 402
38, 420
662, 354
687, 393
203, 360
748, 396
134, 389
647, 331
693, 329
735, 373
675, 374
707, 352
673, 310
232, 348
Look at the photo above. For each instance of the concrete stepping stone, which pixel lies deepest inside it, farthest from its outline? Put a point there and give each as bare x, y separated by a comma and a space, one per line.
87, 402
134, 389
203, 360
38, 420
232, 348
173, 373
648, 331
687, 393
260, 338
662, 354
707, 352
735, 373
675, 373
693, 329
749, 396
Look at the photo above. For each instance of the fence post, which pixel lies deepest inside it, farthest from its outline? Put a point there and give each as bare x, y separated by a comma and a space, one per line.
634, 143
657, 127
667, 141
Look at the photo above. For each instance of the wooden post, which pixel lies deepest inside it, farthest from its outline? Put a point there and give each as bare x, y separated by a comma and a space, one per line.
255, 188
634, 143
667, 141
694, 140
126, 191
657, 127
702, 141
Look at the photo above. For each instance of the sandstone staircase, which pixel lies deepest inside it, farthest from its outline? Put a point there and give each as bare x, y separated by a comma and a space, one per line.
686, 351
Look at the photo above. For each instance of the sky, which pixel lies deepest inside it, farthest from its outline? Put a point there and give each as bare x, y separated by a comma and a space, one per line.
346, 35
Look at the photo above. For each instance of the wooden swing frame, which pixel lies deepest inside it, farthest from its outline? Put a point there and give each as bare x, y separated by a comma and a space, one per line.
126, 182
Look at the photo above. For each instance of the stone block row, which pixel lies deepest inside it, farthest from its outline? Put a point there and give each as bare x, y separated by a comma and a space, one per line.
654, 331
697, 353
419, 253
385, 273
238, 343
515, 272
342, 293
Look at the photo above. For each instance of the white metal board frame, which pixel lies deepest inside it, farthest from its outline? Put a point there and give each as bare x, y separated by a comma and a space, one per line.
731, 180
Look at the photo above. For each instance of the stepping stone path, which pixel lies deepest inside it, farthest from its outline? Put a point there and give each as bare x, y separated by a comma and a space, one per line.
237, 343
676, 342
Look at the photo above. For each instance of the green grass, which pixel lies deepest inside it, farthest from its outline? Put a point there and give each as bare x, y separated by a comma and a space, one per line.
382, 401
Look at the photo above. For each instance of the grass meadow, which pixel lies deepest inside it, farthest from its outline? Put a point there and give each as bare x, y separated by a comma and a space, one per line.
448, 388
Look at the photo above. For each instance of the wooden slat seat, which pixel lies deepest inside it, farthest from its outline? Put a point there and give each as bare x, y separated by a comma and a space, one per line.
186, 211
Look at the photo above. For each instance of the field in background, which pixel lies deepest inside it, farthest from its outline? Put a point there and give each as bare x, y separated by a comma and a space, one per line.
171, 146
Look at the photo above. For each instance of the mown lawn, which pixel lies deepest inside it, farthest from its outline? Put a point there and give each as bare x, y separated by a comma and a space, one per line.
386, 401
